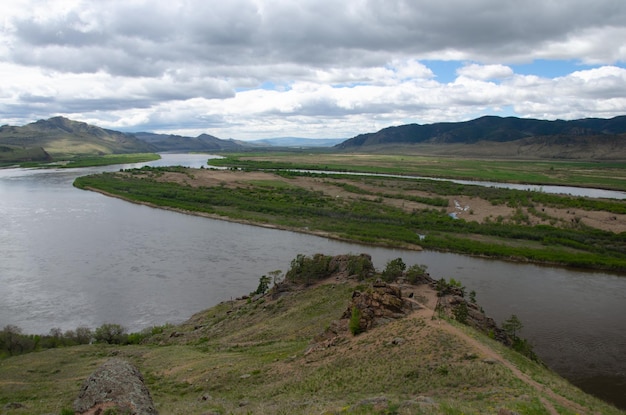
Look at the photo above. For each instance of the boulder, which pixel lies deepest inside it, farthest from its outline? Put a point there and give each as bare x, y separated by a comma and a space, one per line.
116, 385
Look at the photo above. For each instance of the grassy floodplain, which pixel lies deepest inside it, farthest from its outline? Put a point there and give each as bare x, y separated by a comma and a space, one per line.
399, 212
609, 175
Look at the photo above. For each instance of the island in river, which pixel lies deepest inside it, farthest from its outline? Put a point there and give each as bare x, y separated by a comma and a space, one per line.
398, 212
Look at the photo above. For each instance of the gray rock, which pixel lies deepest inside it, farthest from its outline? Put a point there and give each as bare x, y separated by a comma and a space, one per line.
115, 385
397, 341
14, 405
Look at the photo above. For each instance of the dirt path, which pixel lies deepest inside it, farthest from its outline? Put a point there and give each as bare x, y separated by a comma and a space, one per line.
546, 394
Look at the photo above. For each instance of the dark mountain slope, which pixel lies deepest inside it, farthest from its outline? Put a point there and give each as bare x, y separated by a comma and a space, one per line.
203, 142
488, 128
506, 137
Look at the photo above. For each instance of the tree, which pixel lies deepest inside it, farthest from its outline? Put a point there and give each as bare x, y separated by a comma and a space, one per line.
472, 296
14, 342
394, 270
83, 335
512, 326
264, 285
111, 334
276, 276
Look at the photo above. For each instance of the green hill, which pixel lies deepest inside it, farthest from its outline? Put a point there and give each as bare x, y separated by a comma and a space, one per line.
491, 136
292, 351
61, 138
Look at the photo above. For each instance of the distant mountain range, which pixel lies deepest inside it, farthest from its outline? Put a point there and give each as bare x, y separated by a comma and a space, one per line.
299, 142
59, 137
203, 142
490, 136
589, 138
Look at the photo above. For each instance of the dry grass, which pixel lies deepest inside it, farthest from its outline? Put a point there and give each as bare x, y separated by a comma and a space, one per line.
245, 357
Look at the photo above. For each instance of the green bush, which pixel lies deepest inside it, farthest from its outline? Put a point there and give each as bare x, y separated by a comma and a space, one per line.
355, 321
306, 270
415, 272
394, 270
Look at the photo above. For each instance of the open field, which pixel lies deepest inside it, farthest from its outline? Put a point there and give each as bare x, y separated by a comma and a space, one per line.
605, 175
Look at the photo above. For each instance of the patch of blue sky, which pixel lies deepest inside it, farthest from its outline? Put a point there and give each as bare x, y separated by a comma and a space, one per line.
553, 68
504, 111
267, 85
445, 71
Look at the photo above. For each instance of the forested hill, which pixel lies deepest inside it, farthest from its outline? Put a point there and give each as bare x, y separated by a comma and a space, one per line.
583, 138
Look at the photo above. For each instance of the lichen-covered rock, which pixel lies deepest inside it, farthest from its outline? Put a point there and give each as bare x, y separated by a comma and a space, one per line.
115, 385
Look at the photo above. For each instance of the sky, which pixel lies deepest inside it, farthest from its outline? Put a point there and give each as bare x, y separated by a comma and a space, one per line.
251, 69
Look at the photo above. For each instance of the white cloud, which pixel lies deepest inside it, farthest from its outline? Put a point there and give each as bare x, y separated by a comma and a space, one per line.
485, 72
248, 68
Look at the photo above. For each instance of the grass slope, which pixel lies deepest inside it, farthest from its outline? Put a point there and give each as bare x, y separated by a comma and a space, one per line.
250, 357
63, 138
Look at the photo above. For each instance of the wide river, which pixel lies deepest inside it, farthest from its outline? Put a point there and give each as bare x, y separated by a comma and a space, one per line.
70, 257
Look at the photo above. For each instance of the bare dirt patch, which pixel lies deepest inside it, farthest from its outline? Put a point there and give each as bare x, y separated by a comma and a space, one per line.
463, 207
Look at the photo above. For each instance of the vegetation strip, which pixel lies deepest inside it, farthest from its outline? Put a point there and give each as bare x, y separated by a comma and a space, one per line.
382, 212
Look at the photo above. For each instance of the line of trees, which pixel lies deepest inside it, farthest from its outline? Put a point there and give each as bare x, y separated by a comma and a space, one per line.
13, 341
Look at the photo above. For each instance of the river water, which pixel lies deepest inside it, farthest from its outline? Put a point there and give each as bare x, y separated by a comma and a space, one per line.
70, 257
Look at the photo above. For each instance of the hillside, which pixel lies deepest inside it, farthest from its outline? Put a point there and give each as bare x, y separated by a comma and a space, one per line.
60, 137
178, 143
490, 136
291, 350
298, 142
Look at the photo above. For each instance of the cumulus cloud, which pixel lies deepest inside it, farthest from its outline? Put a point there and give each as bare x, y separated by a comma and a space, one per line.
248, 68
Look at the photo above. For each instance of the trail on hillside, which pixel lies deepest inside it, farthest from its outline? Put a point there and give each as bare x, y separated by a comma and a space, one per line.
546, 394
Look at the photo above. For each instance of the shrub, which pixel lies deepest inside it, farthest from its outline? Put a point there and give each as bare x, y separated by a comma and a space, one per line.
359, 265
355, 321
460, 313
394, 270
415, 272
306, 270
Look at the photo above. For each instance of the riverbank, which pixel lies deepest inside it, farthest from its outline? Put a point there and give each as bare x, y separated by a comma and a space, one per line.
290, 351
498, 223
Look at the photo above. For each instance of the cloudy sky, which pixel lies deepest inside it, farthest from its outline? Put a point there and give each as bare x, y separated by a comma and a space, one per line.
309, 68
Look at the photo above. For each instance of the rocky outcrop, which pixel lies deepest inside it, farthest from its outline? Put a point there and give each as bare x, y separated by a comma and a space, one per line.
306, 271
116, 386
380, 304
348, 266
455, 306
